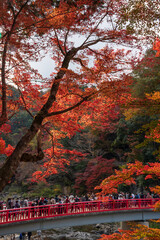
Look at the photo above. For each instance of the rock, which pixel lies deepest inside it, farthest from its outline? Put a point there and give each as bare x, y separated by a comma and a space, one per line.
98, 225
80, 235
101, 232
62, 238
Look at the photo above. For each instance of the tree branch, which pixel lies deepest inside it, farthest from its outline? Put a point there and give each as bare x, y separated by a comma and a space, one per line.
11, 7
93, 42
95, 27
59, 45
70, 108
65, 40
25, 103
81, 63
27, 157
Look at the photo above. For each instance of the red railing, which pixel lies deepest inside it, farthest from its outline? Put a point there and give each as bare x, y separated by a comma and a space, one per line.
48, 211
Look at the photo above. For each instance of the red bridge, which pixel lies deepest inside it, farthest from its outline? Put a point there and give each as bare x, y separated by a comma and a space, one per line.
79, 213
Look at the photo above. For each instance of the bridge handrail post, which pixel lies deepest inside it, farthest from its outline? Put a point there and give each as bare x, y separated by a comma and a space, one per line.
127, 203
66, 208
139, 203
49, 210
113, 204
83, 206
29, 211
99, 206
7, 215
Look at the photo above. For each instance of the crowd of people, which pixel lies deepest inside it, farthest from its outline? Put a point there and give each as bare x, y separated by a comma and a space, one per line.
12, 202
26, 202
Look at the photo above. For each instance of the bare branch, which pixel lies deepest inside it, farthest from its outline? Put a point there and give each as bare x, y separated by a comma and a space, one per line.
65, 40
95, 52
93, 42
81, 63
25, 105
59, 45
11, 7
95, 27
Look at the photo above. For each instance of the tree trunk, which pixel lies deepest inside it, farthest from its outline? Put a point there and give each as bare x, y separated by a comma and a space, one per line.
12, 162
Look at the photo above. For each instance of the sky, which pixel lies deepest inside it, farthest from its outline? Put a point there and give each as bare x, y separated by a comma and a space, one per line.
45, 66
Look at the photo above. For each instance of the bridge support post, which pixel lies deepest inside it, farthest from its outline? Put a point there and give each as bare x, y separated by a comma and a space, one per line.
127, 226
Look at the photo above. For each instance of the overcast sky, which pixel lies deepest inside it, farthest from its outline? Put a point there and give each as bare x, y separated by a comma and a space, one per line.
45, 66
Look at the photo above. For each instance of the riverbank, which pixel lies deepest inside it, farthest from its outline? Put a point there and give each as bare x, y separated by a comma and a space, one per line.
88, 232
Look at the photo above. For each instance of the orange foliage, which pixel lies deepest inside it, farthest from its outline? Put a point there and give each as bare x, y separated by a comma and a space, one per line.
2, 146
156, 47
138, 232
8, 150
128, 175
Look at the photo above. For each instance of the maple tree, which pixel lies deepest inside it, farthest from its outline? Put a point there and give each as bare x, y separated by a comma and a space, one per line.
57, 104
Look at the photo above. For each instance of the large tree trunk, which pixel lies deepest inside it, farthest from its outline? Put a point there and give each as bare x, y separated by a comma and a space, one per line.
13, 161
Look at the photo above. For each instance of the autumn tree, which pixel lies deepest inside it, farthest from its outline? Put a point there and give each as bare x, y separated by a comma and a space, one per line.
131, 171
30, 29
128, 129
145, 102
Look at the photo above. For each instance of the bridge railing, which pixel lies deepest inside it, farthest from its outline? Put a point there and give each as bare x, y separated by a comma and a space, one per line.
47, 211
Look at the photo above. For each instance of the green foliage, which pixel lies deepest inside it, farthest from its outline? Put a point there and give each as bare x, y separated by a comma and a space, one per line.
146, 76
44, 190
153, 224
124, 188
32, 190
19, 124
